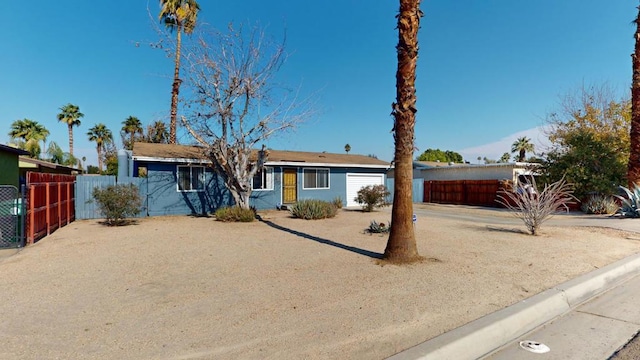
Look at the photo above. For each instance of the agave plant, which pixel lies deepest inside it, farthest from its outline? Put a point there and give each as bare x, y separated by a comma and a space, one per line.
378, 228
630, 205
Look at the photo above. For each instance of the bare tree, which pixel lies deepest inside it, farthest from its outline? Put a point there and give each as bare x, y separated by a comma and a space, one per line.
234, 104
534, 208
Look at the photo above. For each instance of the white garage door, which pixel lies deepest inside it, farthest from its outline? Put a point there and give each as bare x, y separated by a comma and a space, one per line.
356, 181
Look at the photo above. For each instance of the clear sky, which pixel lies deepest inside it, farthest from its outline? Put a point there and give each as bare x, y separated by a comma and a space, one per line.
488, 71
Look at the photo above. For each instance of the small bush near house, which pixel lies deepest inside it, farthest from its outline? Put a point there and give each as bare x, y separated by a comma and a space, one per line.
535, 208
235, 214
372, 196
631, 203
337, 202
378, 228
118, 202
599, 204
313, 209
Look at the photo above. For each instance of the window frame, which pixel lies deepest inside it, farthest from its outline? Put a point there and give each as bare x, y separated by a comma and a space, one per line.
317, 171
267, 178
190, 167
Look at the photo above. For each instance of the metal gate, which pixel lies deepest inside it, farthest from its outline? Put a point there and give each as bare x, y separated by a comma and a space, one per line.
12, 211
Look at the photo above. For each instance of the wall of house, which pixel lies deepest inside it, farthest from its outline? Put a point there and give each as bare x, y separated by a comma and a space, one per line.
468, 173
337, 184
269, 199
163, 197
9, 165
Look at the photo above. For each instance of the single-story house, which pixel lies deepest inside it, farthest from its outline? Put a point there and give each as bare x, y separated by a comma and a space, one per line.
178, 179
30, 164
10, 173
434, 171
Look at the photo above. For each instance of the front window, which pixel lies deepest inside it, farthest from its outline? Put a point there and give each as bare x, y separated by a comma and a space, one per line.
315, 178
190, 178
263, 179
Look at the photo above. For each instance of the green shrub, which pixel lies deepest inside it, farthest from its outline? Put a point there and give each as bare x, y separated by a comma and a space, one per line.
235, 214
631, 203
117, 202
599, 204
313, 209
378, 228
337, 202
372, 196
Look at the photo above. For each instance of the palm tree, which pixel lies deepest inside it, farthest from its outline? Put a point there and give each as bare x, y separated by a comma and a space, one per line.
102, 136
522, 146
178, 15
157, 133
58, 156
633, 169
401, 246
31, 133
131, 126
347, 148
70, 114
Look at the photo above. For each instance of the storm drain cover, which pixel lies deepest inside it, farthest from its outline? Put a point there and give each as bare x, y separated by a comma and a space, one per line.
534, 346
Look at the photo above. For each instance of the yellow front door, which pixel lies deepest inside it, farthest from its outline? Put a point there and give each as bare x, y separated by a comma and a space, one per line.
289, 186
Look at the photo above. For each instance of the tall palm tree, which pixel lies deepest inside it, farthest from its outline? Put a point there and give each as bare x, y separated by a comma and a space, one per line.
401, 246
178, 15
522, 146
157, 133
131, 126
101, 135
347, 148
70, 114
633, 169
31, 132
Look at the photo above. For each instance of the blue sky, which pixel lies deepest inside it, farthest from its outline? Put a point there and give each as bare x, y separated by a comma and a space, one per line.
488, 71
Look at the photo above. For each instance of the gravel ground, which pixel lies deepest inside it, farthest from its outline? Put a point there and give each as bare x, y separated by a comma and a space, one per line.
282, 288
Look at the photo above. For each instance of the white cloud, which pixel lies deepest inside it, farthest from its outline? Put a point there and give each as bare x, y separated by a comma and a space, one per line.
495, 149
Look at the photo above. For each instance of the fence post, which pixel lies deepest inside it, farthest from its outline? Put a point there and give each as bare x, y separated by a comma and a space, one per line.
68, 202
32, 217
48, 207
59, 200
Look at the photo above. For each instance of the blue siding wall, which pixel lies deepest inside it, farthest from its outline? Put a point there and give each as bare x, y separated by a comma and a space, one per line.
269, 199
163, 197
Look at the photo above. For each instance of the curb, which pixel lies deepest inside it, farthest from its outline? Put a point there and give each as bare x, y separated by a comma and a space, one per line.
486, 334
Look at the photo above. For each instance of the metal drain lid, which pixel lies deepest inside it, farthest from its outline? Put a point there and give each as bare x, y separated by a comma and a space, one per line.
534, 347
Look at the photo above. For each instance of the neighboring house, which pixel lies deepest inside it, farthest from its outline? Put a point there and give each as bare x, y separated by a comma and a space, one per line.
431, 171
41, 166
179, 180
10, 173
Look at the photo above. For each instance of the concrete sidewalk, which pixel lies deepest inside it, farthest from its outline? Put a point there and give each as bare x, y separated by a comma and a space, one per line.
589, 317
594, 330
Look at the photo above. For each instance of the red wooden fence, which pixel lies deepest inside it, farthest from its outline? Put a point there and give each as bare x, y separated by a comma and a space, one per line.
50, 203
462, 192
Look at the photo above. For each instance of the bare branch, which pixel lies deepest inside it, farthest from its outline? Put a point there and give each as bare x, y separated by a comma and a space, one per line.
233, 103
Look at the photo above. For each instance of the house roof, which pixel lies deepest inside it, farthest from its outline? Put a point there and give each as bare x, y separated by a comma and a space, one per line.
27, 162
176, 153
10, 149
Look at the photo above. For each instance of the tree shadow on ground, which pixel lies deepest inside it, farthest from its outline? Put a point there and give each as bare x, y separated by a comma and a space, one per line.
371, 254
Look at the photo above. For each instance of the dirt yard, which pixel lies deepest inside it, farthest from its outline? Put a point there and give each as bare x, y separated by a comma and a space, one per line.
283, 288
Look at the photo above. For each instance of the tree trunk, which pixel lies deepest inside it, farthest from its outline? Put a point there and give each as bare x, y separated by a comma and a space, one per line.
401, 246
241, 198
70, 139
633, 170
99, 151
175, 89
